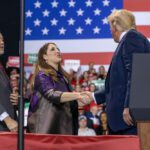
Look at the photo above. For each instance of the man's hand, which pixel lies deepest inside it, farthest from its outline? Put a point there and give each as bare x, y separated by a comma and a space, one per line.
127, 117
11, 124
85, 100
88, 94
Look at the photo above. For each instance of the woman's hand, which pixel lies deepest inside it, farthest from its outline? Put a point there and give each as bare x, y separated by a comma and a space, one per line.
84, 100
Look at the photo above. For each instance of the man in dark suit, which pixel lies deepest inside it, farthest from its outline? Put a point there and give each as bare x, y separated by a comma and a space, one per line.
118, 81
7, 99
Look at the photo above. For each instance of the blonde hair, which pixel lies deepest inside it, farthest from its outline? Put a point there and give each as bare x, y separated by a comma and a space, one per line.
46, 68
122, 20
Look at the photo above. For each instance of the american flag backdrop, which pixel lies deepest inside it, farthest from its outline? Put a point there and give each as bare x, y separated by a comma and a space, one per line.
79, 27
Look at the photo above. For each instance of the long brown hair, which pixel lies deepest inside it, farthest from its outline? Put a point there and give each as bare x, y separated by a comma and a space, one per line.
46, 68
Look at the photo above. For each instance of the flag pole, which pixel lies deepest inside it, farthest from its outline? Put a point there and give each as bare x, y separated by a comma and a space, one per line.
21, 102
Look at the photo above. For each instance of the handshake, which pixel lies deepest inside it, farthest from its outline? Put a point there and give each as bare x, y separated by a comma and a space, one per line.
85, 98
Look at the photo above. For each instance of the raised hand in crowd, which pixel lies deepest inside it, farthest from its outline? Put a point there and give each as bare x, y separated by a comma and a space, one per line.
14, 97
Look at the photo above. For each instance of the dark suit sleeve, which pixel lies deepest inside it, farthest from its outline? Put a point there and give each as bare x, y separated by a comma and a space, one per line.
100, 96
2, 109
3, 98
134, 43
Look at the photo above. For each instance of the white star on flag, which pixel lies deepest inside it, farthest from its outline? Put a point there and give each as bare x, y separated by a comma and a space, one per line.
45, 31
106, 3
54, 22
37, 22
62, 31
28, 31
54, 4
79, 30
114, 9
37, 4
97, 12
88, 21
71, 3
89, 3
105, 20
96, 30
71, 21
80, 12
63, 12
29, 13
45, 13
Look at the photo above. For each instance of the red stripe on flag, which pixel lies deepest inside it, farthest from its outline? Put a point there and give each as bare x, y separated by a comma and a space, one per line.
98, 58
145, 30
137, 5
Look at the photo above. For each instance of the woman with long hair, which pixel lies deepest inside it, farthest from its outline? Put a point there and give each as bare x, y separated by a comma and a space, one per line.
53, 108
103, 129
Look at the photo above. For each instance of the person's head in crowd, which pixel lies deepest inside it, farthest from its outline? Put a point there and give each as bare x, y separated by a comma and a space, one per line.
120, 21
100, 109
73, 87
14, 83
93, 71
92, 87
93, 108
81, 111
82, 121
103, 117
49, 60
86, 88
95, 76
102, 72
85, 84
85, 78
82, 88
85, 75
1, 44
90, 76
78, 88
72, 73
14, 72
14, 77
91, 67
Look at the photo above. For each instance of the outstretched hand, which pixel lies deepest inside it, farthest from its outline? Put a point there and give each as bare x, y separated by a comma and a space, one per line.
88, 94
85, 99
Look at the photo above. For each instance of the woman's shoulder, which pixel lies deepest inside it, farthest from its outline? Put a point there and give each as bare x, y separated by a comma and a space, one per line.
41, 74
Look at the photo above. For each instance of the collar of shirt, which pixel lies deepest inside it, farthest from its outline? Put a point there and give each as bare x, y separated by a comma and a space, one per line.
122, 35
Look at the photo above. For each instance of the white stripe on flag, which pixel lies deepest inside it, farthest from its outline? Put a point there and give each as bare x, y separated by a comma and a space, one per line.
74, 46
142, 18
